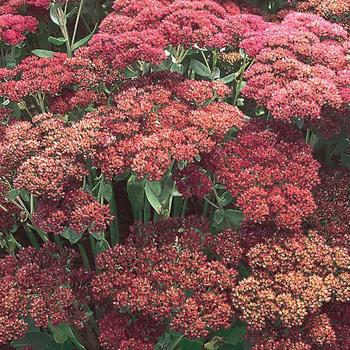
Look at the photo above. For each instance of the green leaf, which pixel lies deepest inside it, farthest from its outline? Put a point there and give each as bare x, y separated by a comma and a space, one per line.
12, 194
233, 217
83, 41
102, 245
36, 340
25, 195
54, 14
215, 74
72, 12
57, 41
129, 73
153, 190
241, 85
177, 67
200, 68
107, 191
187, 344
97, 235
136, 195
15, 108
345, 160
341, 146
219, 215
71, 235
299, 122
229, 78
60, 333
43, 53
234, 335
240, 102
226, 198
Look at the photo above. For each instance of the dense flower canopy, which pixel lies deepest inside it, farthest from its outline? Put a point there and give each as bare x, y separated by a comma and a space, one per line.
174, 174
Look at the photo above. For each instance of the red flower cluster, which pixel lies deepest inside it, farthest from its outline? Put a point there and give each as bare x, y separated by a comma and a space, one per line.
38, 284
158, 119
141, 31
13, 28
296, 67
262, 168
78, 211
62, 83
168, 280
120, 332
36, 75
332, 197
292, 283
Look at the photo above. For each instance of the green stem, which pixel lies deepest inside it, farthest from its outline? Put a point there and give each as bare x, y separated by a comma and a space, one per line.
238, 87
114, 227
208, 201
63, 26
177, 206
93, 245
84, 257
41, 234
205, 208
146, 211
18, 245
77, 21
205, 59
184, 208
155, 217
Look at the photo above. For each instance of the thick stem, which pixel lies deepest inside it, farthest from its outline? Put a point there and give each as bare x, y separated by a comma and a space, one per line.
184, 208
84, 257
114, 227
146, 211
177, 206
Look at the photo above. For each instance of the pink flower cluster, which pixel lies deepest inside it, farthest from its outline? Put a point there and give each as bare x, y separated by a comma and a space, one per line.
78, 211
141, 31
332, 197
295, 74
46, 158
53, 79
120, 332
297, 284
192, 181
13, 28
160, 118
38, 284
262, 167
35, 75
168, 280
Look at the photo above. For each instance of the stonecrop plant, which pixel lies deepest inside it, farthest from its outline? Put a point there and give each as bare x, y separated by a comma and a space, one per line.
174, 175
